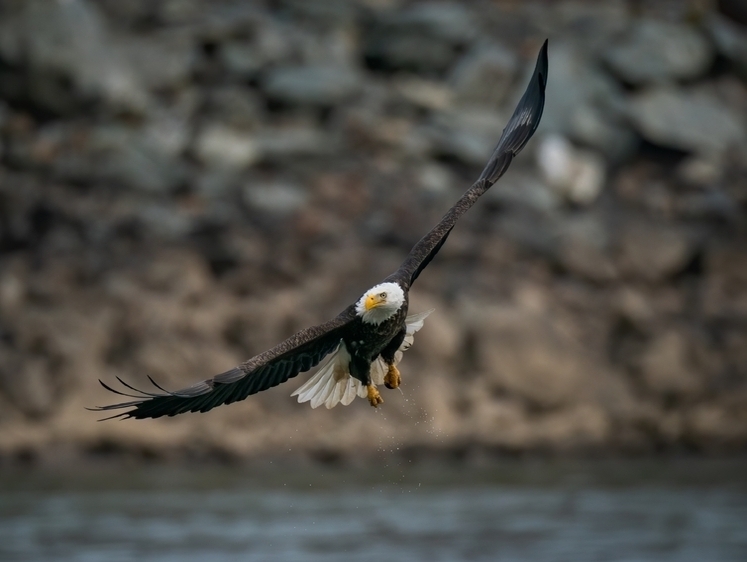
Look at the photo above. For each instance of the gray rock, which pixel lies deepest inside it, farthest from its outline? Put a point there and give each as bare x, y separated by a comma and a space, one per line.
71, 39
653, 252
589, 25
521, 189
324, 12
241, 58
685, 120
415, 142
28, 382
577, 175
236, 106
145, 159
730, 39
591, 126
485, 75
166, 134
175, 12
163, 60
131, 12
271, 40
711, 204
219, 146
585, 244
409, 51
217, 183
701, 170
537, 232
427, 94
525, 353
3, 118
11, 38
658, 51
450, 21
435, 178
225, 21
424, 38
667, 365
275, 198
165, 221
312, 85
290, 142
468, 134
333, 48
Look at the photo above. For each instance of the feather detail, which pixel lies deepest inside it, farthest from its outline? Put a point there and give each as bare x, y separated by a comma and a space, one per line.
351, 391
332, 384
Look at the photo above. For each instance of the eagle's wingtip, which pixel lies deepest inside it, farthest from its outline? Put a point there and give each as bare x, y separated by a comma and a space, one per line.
543, 62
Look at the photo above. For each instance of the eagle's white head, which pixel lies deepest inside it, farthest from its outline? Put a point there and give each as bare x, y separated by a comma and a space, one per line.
380, 303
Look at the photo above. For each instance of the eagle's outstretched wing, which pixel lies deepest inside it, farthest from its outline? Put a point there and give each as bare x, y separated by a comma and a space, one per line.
298, 353
518, 131
308, 347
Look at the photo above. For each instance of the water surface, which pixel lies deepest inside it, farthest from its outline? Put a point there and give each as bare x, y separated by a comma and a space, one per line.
676, 510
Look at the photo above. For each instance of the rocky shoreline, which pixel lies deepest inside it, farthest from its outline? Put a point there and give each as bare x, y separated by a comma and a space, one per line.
184, 183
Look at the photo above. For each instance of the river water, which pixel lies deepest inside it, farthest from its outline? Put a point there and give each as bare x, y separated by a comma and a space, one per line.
537, 510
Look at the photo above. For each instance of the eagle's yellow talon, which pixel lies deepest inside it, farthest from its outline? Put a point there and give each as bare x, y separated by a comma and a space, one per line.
374, 397
392, 378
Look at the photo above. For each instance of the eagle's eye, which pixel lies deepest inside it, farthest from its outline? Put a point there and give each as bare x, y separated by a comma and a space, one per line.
382, 295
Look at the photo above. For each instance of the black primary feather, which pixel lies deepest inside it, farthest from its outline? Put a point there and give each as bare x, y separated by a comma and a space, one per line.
300, 352
516, 134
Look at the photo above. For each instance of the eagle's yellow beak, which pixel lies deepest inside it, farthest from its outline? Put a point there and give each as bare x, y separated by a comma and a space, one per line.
372, 301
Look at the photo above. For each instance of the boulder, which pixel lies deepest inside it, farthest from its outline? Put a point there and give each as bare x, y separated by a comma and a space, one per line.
659, 51
241, 58
71, 39
424, 38
667, 366
654, 251
577, 175
311, 85
484, 76
238, 107
688, 120
730, 39
146, 158
525, 190
533, 356
275, 198
468, 134
220, 146
585, 243
725, 284
427, 94
160, 61
294, 141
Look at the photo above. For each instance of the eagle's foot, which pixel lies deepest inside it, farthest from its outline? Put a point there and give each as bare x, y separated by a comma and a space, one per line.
392, 379
374, 397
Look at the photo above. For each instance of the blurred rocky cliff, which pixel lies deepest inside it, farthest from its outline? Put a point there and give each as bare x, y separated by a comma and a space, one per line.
185, 183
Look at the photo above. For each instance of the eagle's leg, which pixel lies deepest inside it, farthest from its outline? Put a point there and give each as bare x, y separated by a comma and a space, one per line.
374, 397
392, 379
360, 368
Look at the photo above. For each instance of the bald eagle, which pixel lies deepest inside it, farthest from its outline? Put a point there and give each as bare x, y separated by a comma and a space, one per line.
364, 343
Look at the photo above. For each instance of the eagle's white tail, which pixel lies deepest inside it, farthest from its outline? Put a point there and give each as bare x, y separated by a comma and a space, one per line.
332, 383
